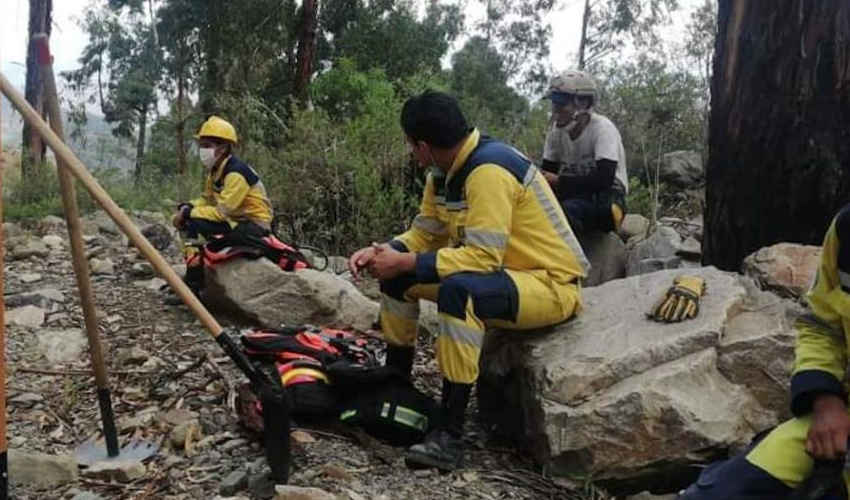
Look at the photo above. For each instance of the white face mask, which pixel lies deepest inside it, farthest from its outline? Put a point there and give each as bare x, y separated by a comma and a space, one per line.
207, 156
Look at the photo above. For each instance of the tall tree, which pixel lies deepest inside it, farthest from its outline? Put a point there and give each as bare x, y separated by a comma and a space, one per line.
40, 21
608, 24
122, 55
389, 35
519, 32
779, 140
306, 49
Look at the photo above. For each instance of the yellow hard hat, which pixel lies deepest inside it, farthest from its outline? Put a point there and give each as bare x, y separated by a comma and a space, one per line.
217, 127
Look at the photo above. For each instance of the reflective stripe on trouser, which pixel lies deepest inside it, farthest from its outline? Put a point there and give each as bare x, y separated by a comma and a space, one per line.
467, 303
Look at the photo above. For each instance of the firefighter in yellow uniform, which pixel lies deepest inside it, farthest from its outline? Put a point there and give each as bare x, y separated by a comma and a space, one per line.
490, 245
780, 462
234, 198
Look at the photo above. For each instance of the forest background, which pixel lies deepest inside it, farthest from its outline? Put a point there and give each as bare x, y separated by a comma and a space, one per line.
315, 89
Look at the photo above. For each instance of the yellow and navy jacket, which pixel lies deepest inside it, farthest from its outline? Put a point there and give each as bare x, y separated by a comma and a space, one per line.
492, 210
821, 351
233, 192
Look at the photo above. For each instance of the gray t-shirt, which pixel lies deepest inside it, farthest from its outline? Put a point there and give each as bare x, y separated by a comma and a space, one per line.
600, 140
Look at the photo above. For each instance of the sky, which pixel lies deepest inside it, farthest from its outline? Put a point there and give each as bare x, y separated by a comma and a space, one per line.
68, 39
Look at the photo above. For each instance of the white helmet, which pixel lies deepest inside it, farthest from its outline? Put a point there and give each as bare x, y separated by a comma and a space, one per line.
573, 82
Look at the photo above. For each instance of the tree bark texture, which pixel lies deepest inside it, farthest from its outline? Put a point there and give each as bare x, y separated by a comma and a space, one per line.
306, 49
779, 138
40, 20
585, 19
140, 142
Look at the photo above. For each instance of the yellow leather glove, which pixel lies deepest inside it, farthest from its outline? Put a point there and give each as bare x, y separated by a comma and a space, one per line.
681, 300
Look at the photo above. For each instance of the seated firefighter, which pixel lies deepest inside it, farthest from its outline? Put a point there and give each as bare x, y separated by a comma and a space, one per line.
489, 245
816, 439
583, 158
234, 198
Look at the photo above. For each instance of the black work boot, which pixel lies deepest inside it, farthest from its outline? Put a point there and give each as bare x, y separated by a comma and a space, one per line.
443, 447
194, 279
401, 358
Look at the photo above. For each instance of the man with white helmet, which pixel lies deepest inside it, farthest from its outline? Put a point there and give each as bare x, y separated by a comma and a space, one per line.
583, 158
234, 198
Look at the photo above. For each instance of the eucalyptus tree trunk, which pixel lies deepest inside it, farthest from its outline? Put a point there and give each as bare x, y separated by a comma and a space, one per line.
306, 50
40, 20
779, 133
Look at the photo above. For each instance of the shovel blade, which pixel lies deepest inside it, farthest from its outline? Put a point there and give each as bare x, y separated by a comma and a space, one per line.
94, 450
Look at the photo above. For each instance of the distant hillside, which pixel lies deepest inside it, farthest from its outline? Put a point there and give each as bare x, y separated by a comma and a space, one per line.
100, 149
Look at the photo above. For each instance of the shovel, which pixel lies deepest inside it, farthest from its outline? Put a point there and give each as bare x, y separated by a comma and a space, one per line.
94, 450
276, 420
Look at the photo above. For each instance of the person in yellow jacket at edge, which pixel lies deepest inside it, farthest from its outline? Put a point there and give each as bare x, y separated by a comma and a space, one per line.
775, 465
234, 198
490, 245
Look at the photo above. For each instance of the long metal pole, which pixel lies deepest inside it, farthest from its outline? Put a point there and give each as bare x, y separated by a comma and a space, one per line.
78, 255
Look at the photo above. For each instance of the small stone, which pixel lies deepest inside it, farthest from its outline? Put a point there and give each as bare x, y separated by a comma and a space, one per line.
171, 461
152, 284
232, 445
26, 399
118, 470
30, 316
29, 277
424, 472
141, 270
50, 294
61, 345
289, 492
301, 437
40, 470
336, 472
53, 241
12, 230
17, 441
233, 482
260, 485
86, 495
134, 356
101, 266
33, 248
177, 416
184, 432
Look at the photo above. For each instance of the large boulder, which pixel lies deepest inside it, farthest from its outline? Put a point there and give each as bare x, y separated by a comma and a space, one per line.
607, 255
657, 251
633, 225
631, 402
682, 169
787, 269
261, 291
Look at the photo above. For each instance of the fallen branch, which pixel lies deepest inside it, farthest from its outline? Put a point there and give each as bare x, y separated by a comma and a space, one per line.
42, 371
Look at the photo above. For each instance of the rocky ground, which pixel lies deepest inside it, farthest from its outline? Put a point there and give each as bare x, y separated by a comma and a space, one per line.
172, 385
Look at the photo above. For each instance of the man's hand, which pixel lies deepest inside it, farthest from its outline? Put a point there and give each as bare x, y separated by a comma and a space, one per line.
550, 177
360, 259
827, 438
388, 263
178, 220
